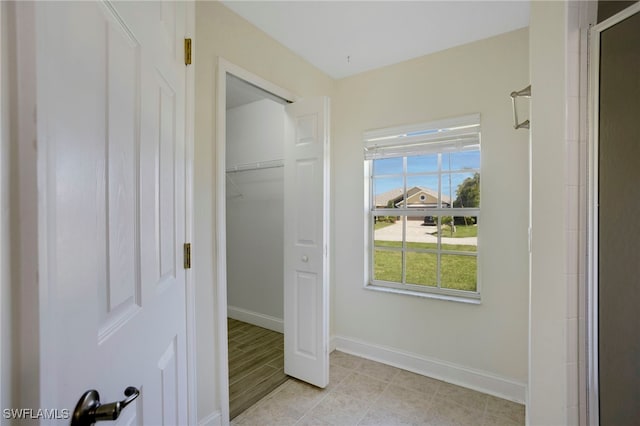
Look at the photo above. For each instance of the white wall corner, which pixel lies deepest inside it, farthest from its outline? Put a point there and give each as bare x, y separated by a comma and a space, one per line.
332, 343
213, 419
255, 318
448, 372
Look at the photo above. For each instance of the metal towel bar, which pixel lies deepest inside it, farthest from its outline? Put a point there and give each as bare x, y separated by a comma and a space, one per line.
526, 93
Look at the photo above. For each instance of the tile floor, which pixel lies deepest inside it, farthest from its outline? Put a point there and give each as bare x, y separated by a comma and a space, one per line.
364, 392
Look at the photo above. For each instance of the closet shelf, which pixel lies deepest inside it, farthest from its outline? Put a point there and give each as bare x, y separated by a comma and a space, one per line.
259, 165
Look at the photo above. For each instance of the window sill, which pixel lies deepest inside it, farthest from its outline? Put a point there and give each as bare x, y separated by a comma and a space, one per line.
427, 295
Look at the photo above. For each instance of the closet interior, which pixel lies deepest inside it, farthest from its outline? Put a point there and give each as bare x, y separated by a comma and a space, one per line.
255, 121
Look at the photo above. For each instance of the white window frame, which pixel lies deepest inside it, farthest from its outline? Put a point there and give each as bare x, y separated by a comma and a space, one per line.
443, 136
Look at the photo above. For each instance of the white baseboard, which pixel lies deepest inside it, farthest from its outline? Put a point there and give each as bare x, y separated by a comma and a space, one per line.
255, 318
448, 372
213, 419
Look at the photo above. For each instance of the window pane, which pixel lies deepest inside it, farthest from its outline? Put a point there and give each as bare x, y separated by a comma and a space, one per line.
422, 163
458, 272
387, 192
461, 190
422, 232
463, 160
387, 231
422, 191
387, 166
459, 233
422, 268
387, 266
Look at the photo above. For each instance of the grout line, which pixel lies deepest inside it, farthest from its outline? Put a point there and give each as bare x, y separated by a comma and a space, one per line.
373, 404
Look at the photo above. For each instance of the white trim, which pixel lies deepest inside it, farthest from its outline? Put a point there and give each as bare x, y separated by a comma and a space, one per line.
213, 419
398, 288
471, 378
190, 292
255, 80
220, 226
220, 221
256, 318
593, 386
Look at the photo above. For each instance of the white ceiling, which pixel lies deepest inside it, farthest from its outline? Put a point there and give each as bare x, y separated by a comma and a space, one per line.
344, 38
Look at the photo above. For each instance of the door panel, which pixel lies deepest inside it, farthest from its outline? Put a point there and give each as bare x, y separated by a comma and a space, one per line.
306, 231
307, 300
309, 207
111, 107
120, 284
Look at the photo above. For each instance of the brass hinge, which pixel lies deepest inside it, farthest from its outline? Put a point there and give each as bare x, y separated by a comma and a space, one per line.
187, 51
187, 255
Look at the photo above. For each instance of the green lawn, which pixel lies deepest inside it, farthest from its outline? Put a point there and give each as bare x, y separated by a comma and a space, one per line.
380, 225
458, 272
461, 231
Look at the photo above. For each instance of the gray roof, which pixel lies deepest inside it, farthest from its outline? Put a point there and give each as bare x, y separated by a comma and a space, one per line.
396, 194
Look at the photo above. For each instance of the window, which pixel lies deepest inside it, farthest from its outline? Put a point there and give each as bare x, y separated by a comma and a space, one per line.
424, 215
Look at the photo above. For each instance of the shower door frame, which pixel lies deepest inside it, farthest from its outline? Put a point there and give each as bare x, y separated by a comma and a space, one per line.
593, 389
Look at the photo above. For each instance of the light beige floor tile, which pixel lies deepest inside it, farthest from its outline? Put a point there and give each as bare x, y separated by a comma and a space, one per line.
417, 382
309, 420
503, 408
264, 414
445, 412
361, 386
340, 409
493, 420
378, 370
363, 392
406, 402
380, 417
297, 395
336, 375
345, 360
463, 396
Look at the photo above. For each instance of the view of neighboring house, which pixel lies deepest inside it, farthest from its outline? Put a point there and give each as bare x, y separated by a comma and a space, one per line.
417, 197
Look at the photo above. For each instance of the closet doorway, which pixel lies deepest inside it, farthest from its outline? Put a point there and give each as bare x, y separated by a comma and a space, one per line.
255, 249
271, 237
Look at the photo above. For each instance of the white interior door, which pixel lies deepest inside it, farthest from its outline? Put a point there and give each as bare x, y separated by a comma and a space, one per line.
111, 124
306, 224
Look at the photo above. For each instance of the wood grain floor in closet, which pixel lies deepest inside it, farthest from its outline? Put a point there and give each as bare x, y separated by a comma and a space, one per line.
256, 364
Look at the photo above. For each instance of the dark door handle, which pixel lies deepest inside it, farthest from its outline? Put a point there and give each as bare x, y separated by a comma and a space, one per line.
89, 410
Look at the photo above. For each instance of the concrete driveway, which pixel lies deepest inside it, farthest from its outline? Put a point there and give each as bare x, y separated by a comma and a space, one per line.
416, 233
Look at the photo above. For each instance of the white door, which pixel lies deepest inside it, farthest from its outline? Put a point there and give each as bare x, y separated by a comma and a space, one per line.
306, 218
111, 114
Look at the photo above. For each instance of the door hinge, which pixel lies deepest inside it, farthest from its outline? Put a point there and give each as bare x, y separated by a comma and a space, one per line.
187, 51
187, 255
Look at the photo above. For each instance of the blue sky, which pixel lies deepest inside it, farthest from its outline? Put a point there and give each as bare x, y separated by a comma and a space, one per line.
459, 162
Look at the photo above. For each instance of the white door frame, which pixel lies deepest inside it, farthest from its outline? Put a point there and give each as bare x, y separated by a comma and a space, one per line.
593, 386
220, 224
189, 126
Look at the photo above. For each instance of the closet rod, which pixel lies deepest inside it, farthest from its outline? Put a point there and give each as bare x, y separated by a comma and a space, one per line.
259, 165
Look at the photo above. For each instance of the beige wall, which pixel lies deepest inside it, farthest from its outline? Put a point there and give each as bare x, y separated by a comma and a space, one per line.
490, 338
476, 78
221, 33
